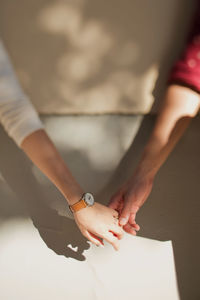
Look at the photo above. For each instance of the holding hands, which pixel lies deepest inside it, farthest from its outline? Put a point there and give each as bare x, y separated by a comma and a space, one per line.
99, 221
128, 200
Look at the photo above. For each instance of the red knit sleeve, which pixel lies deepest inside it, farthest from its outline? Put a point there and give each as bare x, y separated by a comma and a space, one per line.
186, 70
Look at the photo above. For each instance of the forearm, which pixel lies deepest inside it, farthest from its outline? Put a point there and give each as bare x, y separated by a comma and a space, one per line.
180, 105
40, 149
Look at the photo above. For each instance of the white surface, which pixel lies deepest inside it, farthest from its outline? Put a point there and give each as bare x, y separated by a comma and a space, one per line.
142, 269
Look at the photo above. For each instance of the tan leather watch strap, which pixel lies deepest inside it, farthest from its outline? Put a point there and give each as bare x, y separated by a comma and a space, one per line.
78, 205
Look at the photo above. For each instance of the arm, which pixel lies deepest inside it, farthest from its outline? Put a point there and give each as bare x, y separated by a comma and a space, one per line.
180, 105
40, 149
93, 221
23, 125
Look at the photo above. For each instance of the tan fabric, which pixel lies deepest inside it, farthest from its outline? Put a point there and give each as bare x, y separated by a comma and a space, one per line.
93, 57
17, 114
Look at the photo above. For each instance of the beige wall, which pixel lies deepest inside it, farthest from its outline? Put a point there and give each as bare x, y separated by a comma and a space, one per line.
93, 56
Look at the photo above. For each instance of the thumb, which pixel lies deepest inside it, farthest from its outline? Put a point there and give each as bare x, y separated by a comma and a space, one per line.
115, 201
125, 214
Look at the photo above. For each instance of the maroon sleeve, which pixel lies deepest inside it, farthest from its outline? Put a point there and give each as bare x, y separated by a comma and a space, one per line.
186, 70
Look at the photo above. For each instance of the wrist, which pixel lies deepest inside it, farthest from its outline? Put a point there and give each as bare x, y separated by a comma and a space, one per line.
85, 210
86, 201
146, 169
67, 184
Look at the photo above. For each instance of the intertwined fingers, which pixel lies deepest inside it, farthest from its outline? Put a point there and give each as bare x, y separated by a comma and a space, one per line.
113, 240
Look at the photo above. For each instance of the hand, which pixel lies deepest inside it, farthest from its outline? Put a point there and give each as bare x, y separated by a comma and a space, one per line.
128, 200
99, 221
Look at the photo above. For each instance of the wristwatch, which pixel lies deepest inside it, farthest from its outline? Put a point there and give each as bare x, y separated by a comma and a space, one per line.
86, 200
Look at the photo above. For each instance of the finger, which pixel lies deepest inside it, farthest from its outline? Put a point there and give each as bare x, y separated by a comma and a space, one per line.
132, 218
117, 231
110, 238
132, 222
125, 214
92, 238
135, 226
133, 211
129, 229
115, 201
115, 214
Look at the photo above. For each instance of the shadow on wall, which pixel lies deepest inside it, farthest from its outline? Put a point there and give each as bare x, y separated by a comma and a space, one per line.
46, 206
172, 210
93, 56
171, 213
59, 232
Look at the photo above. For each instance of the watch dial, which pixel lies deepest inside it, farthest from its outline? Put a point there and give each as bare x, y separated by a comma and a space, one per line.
89, 199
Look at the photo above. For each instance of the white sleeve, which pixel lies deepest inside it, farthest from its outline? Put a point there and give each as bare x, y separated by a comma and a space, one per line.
17, 114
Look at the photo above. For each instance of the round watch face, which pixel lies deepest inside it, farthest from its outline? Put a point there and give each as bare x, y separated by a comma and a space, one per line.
89, 199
